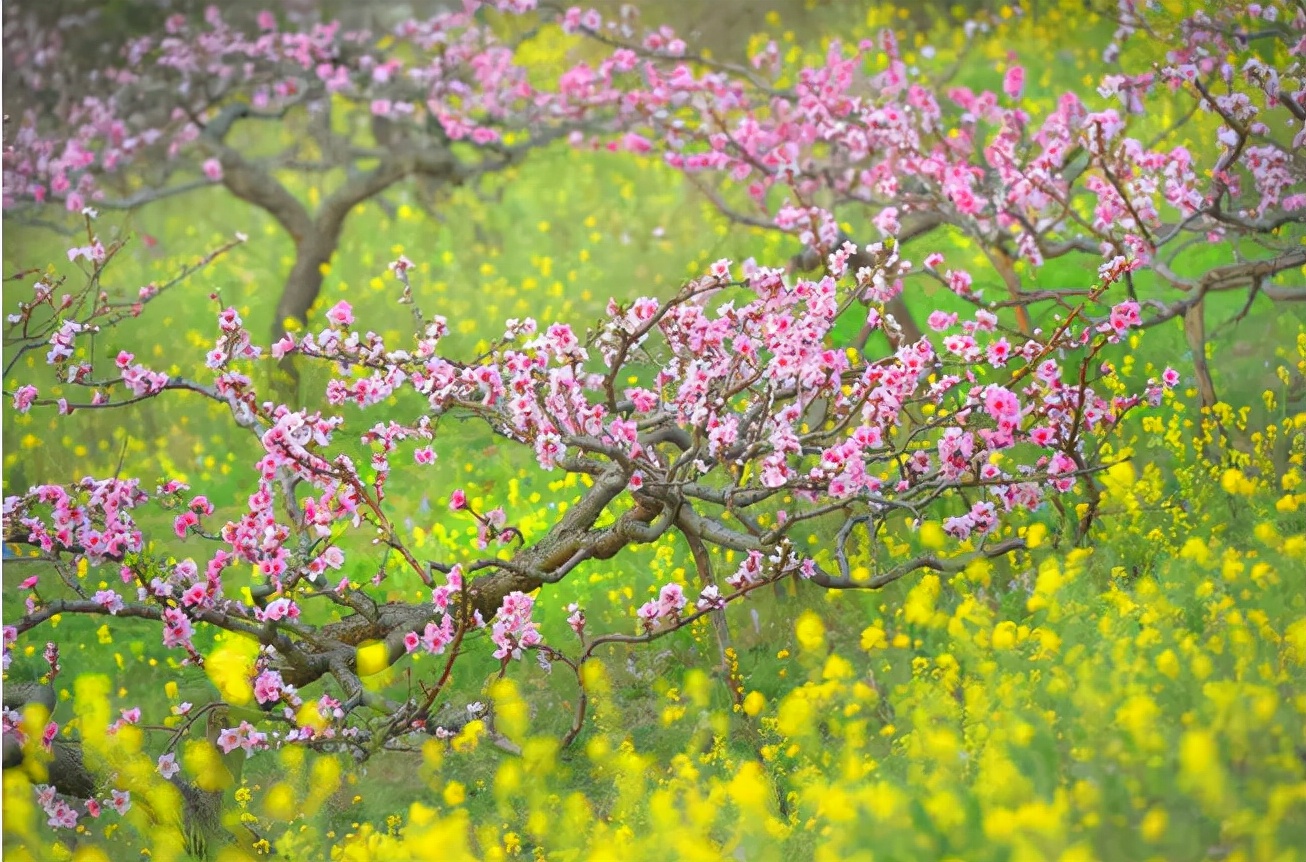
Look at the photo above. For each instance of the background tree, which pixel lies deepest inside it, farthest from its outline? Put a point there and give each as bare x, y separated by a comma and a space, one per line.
1106, 179
445, 100
441, 99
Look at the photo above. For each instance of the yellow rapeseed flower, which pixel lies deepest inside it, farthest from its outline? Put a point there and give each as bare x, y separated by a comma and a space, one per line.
873, 637
810, 631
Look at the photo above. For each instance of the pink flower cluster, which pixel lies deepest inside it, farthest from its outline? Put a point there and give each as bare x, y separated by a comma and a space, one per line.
512, 630
61, 815
668, 605
769, 340
268, 687
92, 517
232, 343
245, 736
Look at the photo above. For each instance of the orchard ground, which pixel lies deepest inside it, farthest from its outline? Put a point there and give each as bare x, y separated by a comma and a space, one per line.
1140, 697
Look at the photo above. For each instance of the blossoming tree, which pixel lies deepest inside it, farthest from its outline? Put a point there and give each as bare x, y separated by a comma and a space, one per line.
718, 447
445, 100
1100, 178
723, 418
442, 100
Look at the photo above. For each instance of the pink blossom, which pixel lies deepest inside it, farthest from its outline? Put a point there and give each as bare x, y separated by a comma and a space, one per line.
886, 221
1013, 83
283, 346
1124, 316
24, 397
749, 571
671, 600
121, 801
183, 522
1041, 436
167, 765
278, 609
958, 527
61, 816
177, 628
341, 314
212, 169
648, 613
998, 353
710, 598
939, 320
634, 143
958, 281
229, 739
513, 630
1002, 404
576, 619
549, 449
109, 600
268, 686
436, 637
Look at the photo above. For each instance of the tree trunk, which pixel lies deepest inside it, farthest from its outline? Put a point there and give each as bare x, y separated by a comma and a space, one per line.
304, 284
303, 287
1195, 332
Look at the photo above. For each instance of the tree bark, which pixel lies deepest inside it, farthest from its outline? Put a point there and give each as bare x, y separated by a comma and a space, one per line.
304, 284
1195, 332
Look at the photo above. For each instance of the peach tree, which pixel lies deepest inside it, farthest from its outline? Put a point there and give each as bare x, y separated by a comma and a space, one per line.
746, 429
1190, 135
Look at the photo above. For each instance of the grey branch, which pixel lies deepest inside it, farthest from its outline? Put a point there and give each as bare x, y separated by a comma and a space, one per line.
931, 562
